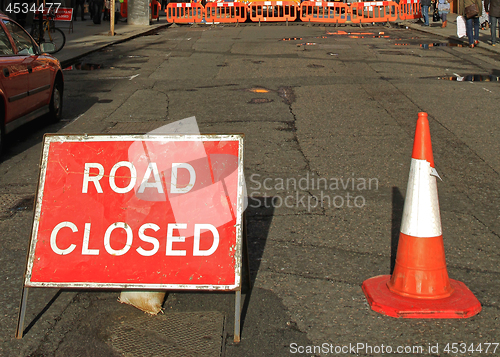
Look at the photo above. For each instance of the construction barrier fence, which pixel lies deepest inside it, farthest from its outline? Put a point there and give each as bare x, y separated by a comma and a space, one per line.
185, 13
326, 12
275, 11
225, 12
409, 10
374, 11
280, 11
155, 10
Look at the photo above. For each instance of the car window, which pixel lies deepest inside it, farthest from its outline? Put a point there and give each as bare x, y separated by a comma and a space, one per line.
5, 46
22, 40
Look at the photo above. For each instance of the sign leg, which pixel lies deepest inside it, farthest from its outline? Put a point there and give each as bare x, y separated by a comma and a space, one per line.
22, 313
237, 316
246, 258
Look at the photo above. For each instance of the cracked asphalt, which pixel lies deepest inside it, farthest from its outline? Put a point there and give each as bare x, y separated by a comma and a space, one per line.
329, 119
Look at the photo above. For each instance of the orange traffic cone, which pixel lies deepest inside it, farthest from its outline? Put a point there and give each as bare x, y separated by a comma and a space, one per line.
419, 286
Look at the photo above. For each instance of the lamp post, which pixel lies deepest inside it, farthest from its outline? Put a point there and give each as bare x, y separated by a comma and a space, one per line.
112, 17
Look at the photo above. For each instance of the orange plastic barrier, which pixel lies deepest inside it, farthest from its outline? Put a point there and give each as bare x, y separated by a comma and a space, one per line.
273, 11
225, 12
123, 9
409, 10
374, 11
184, 13
155, 10
330, 12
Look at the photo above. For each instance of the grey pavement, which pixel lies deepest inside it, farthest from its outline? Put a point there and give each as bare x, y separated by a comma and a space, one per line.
88, 37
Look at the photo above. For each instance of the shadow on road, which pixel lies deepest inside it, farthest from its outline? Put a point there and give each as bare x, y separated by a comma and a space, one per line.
43, 311
259, 215
398, 202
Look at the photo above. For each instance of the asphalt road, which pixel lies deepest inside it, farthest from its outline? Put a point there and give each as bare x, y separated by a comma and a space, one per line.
313, 102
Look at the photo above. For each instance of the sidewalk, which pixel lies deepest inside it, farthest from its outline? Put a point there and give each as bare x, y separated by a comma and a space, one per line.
88, 37
450, 32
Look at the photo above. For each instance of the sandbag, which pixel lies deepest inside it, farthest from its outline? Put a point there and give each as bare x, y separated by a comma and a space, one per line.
147, 301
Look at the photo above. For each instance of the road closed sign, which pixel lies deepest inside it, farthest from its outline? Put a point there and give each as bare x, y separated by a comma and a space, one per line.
138, 211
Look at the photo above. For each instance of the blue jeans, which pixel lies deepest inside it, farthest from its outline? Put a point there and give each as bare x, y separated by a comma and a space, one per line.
493, 22
443, 15
425, 14
473, 36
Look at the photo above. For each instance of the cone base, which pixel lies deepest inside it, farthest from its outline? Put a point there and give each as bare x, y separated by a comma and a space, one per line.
460, 305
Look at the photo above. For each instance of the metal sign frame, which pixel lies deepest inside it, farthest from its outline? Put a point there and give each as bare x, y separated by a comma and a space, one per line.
240, 229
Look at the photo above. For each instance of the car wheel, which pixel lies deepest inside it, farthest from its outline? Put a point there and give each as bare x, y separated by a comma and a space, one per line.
56, 101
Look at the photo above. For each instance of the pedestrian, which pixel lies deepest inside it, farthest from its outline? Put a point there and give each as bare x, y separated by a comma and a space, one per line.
425, 4
493, 8
98, 5
118, 7
107, 5
443, 9
472, 23
79, 4
91, 8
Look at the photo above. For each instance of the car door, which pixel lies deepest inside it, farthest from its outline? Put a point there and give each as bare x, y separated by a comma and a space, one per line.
13, 79
39, 77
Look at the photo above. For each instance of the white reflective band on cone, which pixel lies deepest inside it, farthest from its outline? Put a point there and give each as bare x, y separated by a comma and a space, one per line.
421, 217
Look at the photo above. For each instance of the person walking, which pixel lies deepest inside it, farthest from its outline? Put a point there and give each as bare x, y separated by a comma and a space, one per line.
493, 8
472, 23
425, 4
79, 4
91, 8
98, 5
443, 9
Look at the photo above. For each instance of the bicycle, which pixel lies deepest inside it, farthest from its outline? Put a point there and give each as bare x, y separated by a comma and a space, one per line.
55, 36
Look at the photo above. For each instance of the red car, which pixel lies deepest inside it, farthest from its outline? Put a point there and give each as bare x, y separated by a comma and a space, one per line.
31, 81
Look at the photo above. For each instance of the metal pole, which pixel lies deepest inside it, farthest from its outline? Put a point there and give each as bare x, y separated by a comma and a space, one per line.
237, 316
22, 313
246, 257
112, 17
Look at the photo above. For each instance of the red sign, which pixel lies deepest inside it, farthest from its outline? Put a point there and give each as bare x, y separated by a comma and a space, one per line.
62, 13
138, 211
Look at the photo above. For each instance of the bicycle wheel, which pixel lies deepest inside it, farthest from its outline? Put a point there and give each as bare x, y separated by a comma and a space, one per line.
57, 37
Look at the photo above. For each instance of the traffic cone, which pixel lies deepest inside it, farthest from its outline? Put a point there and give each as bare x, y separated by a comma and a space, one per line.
419, 286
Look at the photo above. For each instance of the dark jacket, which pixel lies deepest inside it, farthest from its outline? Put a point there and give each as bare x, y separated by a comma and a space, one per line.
425, 2
465, 3
493, 7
